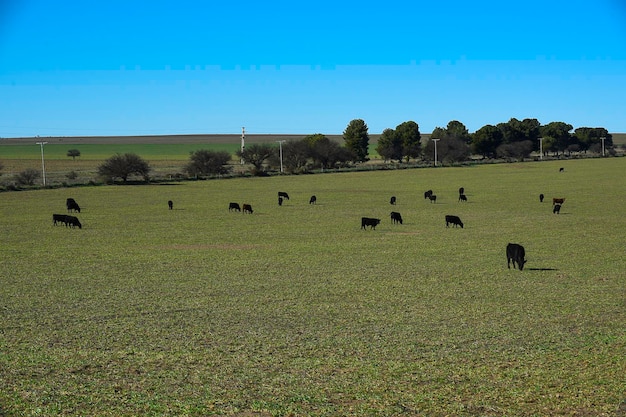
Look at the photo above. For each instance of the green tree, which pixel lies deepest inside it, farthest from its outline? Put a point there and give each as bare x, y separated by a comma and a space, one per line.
205, 162
256, 154
486, 140
123, 166
452, 145
389, 145
457, 130
556, 136
296, 154
410, 139
73, 153
357, 139
589, 136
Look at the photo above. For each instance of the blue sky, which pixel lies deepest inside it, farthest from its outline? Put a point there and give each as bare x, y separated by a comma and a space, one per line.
88, 68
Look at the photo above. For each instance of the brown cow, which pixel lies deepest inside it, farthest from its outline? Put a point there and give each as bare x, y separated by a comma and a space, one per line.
247, 208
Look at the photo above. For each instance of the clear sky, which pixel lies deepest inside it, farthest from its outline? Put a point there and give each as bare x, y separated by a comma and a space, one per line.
87, 68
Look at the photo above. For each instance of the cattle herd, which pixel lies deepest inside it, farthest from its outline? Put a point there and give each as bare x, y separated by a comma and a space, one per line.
67, 220
515, 253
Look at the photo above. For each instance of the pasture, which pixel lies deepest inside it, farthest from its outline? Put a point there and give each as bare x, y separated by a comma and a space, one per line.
294, 310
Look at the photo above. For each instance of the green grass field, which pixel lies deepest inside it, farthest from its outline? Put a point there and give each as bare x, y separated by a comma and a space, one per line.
295, 310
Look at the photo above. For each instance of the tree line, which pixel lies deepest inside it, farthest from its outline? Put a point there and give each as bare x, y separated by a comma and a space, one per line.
515, 139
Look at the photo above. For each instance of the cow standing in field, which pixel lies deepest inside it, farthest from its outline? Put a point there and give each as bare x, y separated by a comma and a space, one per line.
556, 209
462, 197
73, 222
234, 207
454, 220
558, 201
283, 195
247, 208
170, 204
396, 217
541, 198
515, 253
427, 194
59, 218
72, 205
313, 200
392, 201
367, 221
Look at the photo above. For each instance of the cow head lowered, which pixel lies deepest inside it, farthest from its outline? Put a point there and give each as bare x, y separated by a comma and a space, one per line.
515, 253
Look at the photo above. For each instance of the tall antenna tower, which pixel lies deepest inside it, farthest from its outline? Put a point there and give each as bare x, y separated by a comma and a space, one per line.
243, 142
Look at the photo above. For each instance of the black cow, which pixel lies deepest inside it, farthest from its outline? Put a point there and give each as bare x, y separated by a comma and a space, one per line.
396, 217
561, 169
60, 218
541, 198
372, 223
283, 195
313, 200
280, 201
247, 208
427, 194
72, 205
170, 204
556, 209
462, 197
433, 198
73, 222
392, 201
515, 253
234, 206
455, 220
558, 201
461, 191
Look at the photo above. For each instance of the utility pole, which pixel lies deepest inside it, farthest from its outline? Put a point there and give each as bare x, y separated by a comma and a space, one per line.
541, 148
602, 139
243, 142
43, 164
280, 144
435, 140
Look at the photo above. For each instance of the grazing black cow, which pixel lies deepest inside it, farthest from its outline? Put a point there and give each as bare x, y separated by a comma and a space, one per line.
462, 197
396, 217
556, 209
247, 208
558, 201
427, 194
372, 223
515, 253
541, 198
73, 222
72, 205
461, 191
313, 200
170, 204
280, 201
234, 206
455, 220
283, 195
60, 218
392, 201
433, 198
561, 169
